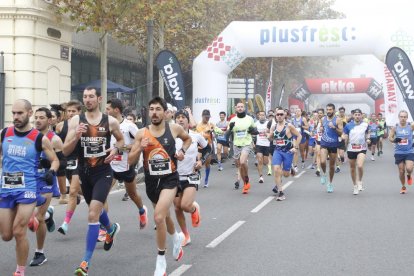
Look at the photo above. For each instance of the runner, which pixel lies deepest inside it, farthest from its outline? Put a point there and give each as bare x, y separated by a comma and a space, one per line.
44, 214
271, 121
222, 143
262, 144
401, 135
90, 134
122, 171
342, 146
382, 127
73, 108
373, 134
189, 176
319, 127
355, 135
21, 146
282, 136
242, 126
157, 143
332, 129
313, 134
301, 124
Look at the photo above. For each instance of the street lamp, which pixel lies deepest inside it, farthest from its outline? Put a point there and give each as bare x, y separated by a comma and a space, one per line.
2, 89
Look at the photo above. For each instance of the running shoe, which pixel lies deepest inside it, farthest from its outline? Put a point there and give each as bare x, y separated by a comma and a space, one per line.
63, 229
82, 269
372, 158
160, 266
220, 168
338, 169
255, 163
281, 197
318, 172
261, 180
409, 180
246, 188
323, 179
196, 217
143, 219
50, 222
313, 166
381, 152
292, 172
378, 154
295, 168
110, 237
236, 185
275, 189
269, 171
125, 197
205, 184
186, 241
403, 190
177, 251
360, 186
356, 190
303, 165
329, 188
38, 259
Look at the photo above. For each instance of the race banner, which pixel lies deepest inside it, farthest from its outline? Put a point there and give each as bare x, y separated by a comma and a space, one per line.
402, 70
269, 90
282, 92
170, 70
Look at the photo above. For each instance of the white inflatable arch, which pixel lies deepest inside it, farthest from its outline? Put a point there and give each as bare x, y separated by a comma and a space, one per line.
240, 40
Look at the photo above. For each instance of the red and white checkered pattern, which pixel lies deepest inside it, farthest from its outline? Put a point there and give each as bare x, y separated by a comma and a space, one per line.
217, 49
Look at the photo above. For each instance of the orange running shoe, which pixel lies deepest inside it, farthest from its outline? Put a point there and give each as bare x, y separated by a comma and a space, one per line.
82, 270
409, 179
143, 219
246, 188
196, 217
403, 190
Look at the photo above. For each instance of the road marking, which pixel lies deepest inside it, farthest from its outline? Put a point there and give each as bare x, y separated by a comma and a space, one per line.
227, 233
263, 204
300, 174
308, 167
287, 185
180, 270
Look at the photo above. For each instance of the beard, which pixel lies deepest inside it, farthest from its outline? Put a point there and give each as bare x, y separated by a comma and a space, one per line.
330, 114
21, 124
156, 121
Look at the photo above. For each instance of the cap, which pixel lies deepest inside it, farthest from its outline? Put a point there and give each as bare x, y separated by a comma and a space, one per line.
182, 112
357, 110
170, 107
206, 112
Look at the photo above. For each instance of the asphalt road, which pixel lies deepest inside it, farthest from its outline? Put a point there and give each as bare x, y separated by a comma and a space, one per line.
311, 233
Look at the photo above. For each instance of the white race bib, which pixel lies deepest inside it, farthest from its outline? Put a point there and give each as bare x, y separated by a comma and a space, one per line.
159, 166
14, 180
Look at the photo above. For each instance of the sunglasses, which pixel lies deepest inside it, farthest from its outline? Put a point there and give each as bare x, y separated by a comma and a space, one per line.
280, 114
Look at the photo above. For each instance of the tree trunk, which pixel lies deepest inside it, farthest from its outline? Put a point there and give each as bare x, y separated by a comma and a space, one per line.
150, 59
161, 46
104, 69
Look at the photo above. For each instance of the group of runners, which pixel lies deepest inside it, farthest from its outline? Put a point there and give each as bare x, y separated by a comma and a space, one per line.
93, 150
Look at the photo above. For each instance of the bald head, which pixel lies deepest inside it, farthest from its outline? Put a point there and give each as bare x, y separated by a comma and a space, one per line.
23, 103
22, 111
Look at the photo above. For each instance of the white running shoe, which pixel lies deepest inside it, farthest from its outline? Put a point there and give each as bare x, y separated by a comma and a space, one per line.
360, 187
356, 190
295, 168
177, 246
160, 266
261, 180
372, 158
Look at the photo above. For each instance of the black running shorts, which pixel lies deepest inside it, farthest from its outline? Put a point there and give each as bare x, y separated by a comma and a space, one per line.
96, 182
154, 185
127, 176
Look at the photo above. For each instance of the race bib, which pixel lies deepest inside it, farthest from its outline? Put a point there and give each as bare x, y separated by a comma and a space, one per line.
262, 134
94, 149
403, 142
241, 134
72, 164
14, 180
194, 179
117, 158
279, 142
356, 147
159, 166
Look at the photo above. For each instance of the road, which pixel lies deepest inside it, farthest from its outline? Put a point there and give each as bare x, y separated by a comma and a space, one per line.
311, 233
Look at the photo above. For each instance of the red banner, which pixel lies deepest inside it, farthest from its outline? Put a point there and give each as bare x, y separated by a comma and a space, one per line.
294, 104
338, 86
379, 106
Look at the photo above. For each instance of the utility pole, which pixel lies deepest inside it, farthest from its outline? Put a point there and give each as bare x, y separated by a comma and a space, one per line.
104, 69
161, 47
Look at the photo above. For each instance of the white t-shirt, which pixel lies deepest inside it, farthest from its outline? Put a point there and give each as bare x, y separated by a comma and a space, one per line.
262, 136
186, 167
129, 131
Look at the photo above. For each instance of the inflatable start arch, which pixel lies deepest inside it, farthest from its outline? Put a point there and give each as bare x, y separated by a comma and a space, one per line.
240, 40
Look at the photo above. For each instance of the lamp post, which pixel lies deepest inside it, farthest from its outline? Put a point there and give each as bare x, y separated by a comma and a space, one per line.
2, 90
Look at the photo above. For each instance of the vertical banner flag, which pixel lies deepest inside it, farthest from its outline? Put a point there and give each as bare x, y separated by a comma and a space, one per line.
282, 91
269, 90
402, 70
170, 70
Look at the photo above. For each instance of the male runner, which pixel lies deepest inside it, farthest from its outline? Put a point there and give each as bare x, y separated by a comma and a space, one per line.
21, 146
157, 143
313, 135
242, 126
90, 134
355, 135
401, 135
271, 121
73, 108
44, 213
301, 124
189, 175
382, 127
222, 143
319, 129
373, 134
122, 171
342, 146
282, 135
262, 144
332, 129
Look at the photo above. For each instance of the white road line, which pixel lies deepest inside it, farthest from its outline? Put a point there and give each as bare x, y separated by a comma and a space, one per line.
287, 185
263, 204
180, 270
227, 233
300, 174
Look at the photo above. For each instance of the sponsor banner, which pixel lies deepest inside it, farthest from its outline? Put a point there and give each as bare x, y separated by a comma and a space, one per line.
402, 71
282, 92
375, 90
338, 86
170, 70
390, 98
269, 90
301, 93
379, 106
295, 104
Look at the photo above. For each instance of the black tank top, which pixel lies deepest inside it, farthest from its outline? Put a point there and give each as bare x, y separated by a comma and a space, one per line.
93, 144
74, 155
